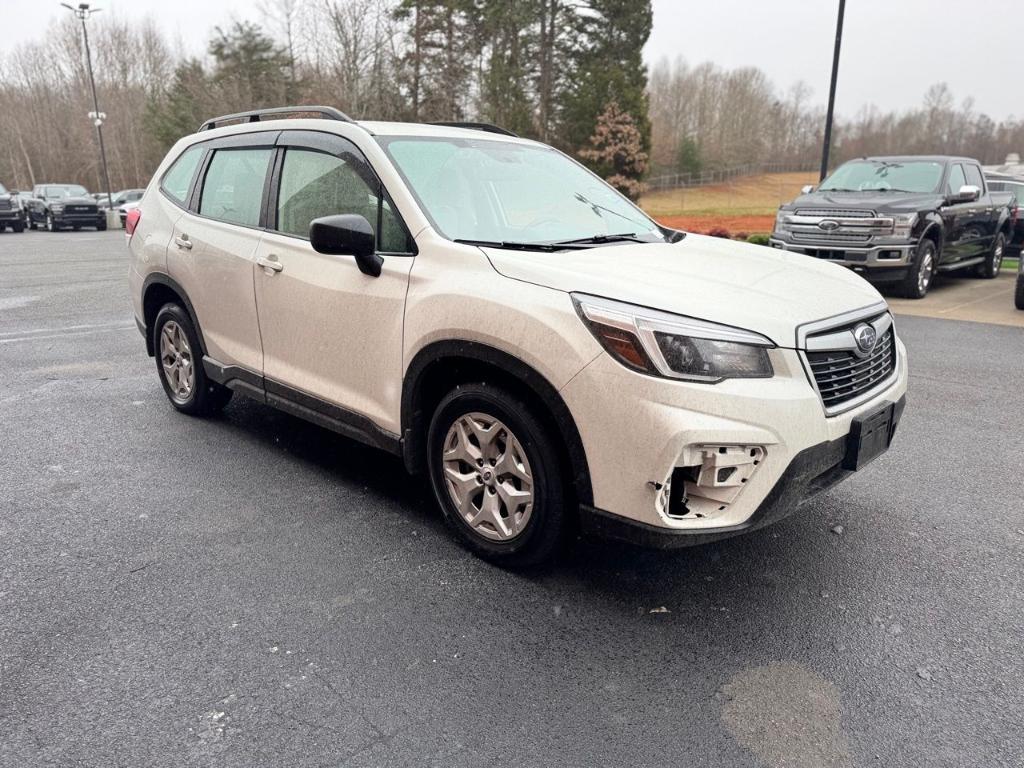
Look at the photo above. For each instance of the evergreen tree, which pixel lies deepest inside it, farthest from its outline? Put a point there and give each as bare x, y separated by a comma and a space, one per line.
616, 151
250, 69
180, 109
607, 66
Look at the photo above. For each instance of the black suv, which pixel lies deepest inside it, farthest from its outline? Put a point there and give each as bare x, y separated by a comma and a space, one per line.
899, 220
58, 206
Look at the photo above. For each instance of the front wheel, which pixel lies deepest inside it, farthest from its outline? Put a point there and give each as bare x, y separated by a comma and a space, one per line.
993, 262
19, 227
101, 226
921, 271
496, 474
1018, 297
51, 225
179, 363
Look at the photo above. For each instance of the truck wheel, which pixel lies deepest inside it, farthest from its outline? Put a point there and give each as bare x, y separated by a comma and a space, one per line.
495, 472
19, 227
990, 267
921, 272
179, 363
1018, 297
51, 225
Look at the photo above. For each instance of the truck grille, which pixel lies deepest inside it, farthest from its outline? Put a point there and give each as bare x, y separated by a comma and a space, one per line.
832, 213
843, 375
830, 237
6, 205
80, 209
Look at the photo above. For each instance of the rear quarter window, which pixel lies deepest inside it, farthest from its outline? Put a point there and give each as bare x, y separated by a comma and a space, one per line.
178, 179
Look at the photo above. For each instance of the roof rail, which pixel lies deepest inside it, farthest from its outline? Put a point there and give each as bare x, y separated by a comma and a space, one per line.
254, 116
480, 127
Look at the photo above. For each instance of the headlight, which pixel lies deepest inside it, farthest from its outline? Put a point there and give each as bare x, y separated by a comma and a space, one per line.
672, 346
903, 224
782, 221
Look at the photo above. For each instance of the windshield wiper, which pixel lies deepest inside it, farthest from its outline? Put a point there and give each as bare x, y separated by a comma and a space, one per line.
625, 237
511, 245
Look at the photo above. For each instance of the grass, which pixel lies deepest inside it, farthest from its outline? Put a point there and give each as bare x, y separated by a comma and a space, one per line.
744, 196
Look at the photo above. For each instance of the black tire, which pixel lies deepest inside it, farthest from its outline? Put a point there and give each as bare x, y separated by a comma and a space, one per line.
993, 262
51, 225
205, 397
1018, 297
544, 530
19, 227
102, 226
921, 273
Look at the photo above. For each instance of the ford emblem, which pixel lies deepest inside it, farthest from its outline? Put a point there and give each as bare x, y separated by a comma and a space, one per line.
829, 225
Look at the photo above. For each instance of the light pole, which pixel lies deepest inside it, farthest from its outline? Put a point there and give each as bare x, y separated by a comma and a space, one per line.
83, 12
832, 93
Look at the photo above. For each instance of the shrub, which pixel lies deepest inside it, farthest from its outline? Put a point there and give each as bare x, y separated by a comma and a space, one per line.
758, 239
720, 232
742, 236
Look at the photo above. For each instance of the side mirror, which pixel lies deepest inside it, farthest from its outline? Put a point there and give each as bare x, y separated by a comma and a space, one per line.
806, 189
968, 194
347, 235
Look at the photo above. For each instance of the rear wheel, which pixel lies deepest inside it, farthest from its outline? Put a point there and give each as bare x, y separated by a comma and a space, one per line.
989, 268
921, 271
179, 363
495, 472
1018, 297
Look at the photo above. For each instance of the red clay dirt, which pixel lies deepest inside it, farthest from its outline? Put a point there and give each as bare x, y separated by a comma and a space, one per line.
734, 224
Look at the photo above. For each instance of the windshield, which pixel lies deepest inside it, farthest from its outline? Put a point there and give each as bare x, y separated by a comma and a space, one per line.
883, 176
497, 191
68, 191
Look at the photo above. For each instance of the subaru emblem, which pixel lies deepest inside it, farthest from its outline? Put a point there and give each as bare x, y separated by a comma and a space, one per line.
865, 336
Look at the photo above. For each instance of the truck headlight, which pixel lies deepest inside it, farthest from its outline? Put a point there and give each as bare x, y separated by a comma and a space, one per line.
903, 224
673, 346
782, 221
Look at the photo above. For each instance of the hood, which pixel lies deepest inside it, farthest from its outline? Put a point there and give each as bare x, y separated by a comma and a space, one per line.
883, 202
753, 287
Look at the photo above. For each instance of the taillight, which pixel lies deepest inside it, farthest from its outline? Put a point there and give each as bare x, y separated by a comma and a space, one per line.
132, 221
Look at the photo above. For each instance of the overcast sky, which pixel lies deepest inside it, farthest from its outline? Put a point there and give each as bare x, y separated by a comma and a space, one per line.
893, 49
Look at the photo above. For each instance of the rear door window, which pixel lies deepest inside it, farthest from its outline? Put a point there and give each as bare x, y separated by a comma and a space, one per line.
233, 188
178, 179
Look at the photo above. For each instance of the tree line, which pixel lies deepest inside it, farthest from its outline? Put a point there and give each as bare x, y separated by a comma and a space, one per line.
567, 72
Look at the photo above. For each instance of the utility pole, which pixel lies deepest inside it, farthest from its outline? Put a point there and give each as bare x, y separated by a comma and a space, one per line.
832, 93
83, 12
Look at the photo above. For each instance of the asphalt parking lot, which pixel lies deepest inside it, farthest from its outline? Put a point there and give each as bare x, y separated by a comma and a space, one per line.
255, 591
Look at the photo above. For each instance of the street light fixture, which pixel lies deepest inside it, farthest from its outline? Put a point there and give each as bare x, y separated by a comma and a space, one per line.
832, 92
83, 12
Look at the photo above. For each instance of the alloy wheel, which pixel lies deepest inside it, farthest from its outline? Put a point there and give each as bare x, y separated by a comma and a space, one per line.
488, 476
176, 360
997, 257
924, 274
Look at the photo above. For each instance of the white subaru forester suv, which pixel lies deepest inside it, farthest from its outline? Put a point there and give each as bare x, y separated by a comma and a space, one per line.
492, 312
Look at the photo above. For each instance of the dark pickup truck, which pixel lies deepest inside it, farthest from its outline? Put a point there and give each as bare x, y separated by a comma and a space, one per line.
58, 206
899, 220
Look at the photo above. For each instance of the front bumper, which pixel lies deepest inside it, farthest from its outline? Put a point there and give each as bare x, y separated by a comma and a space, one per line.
812, 471
11, 217
879, 262
78, 219
635, 445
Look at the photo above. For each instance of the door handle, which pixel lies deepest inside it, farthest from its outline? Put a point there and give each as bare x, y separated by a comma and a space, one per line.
183, 242
270, 263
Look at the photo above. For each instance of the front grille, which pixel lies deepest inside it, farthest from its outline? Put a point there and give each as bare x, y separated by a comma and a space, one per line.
80, 209
836, 213
830, 237
6, 205
842, 375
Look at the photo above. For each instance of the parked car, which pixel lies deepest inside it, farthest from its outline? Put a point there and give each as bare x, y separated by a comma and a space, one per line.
899, 220
498, 316
1014, 184
59, 206
124, 209
12, 215
1018, 296
120, 198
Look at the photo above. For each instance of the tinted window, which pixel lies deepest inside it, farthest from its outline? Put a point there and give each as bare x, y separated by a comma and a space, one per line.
178, 178
315, 184
956, 179
233, 189
974, 176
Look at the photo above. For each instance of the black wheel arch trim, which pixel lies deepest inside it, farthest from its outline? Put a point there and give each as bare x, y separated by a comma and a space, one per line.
415, 421
161, 278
